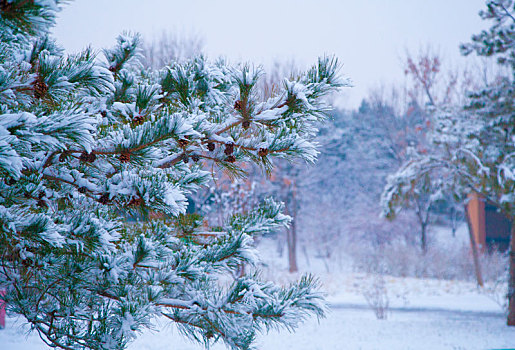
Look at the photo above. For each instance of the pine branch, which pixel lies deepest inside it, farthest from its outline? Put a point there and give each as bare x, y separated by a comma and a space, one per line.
123, 137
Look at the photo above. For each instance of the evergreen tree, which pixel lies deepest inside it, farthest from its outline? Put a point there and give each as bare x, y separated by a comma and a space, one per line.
85, 143
475, 145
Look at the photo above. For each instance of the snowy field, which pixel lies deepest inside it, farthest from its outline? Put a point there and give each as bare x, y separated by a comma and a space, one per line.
423, 314
346, 327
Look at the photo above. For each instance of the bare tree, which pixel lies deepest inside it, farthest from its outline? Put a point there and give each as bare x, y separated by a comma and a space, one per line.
171, 47
428, 88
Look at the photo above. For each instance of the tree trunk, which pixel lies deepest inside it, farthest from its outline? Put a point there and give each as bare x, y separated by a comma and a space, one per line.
306, 255
423, 220
291, 235
511, 282
423, 239
292, 247
454, 221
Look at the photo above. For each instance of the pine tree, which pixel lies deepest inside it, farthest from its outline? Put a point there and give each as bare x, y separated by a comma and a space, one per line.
488, 156
85, 143
475, 145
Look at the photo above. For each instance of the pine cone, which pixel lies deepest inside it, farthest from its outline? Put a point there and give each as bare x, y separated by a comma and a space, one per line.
42, 204
135, 202
211, 146
40, 88
230, 159
62, 157
229, 149
92, 157
263, 152
185, 158
238, 105
138, 120
84, 157
87, 157
82, 189
103, 114
245, 124
183, 143
195, 158
5, 5
125, 157
104, 199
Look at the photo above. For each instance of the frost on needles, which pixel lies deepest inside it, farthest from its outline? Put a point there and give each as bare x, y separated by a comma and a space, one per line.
87, 140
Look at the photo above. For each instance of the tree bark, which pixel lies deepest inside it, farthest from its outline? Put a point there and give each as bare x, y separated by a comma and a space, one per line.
423, 220
454, 220
511, 282
423, 239
291, 234
292, 247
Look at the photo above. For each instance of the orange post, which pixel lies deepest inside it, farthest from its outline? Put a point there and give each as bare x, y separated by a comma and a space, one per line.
476, 219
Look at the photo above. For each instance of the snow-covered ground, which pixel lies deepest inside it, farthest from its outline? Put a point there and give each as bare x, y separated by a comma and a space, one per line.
423, 314
345, 327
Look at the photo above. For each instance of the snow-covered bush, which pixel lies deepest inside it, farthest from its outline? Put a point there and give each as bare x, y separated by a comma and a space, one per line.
376, 295
86, 142
443, 260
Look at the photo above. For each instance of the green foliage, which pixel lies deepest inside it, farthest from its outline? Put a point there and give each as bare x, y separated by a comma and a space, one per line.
86, 145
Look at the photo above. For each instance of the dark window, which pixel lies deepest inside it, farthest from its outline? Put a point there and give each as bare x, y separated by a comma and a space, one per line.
497, 228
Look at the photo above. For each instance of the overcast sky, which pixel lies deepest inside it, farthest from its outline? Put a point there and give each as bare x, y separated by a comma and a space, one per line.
369, 36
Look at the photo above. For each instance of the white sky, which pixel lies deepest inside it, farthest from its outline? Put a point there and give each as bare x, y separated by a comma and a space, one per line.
369, 36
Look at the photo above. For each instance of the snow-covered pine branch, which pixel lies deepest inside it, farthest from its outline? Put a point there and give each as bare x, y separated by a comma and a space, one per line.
86, 143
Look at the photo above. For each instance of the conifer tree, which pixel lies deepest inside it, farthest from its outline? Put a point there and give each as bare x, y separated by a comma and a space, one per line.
475, 145
87, 141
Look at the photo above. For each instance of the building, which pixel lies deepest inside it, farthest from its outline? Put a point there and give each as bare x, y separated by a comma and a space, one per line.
490, 228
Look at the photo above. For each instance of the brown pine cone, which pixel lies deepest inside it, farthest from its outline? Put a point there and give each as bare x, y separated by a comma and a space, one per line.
87, 157
195, 158
229, 149
5, 5
263, 152
245, 124
211, 146
238, 105
125, 157
104, 199
183, 143
92, 157
135, 202
138, 120
230, 159
84, 157
82, 189
40, 88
